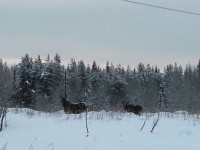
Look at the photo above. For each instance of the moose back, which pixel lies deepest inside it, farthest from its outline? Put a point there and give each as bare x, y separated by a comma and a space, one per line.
136, 109
74, 108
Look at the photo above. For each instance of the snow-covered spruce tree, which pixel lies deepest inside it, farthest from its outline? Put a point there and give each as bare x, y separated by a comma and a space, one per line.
5, 82
162, 100
141, 77
47, 79
191, 98
156, 86
96, 88
58, 70
72, 81
37, 72
82, 80
198, 77
108, 68
77, 81
173, 76
94, 81
168, 75
59, 73
147, 86
106, 84
134, 87
13, 100
198, 84
118, 87
38, 68
50, 79
5, 91
177, 86
26, 89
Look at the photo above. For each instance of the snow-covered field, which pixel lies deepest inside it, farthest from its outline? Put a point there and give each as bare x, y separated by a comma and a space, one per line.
33, 130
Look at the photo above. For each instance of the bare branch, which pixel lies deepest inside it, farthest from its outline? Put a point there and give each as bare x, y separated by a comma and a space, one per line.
2, 116
86, 123
4, 147
143, 124
155, 122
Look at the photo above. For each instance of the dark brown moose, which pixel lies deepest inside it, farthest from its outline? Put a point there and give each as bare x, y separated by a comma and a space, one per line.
74, 108
136, 109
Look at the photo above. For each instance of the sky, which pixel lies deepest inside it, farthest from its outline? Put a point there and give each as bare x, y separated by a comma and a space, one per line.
101, 30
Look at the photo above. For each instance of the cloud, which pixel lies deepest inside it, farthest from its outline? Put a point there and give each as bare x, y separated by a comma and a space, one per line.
101, 30
11, 61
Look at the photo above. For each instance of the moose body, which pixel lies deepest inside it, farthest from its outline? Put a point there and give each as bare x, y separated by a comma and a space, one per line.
136, 109
70, 107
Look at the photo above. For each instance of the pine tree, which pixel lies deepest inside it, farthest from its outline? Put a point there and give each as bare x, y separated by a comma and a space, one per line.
83, 82
5, 83
94, 67
190, 99
26, 82
95, 82
198, 69
162, 100
58, 69
13, 99
37, 75
72, 81
47, 79
198, 77
107, 68
141, 68
118, 86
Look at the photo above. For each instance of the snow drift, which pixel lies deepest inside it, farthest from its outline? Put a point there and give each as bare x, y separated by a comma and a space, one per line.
34, 130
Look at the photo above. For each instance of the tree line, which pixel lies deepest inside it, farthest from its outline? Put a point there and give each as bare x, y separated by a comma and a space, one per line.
37, 84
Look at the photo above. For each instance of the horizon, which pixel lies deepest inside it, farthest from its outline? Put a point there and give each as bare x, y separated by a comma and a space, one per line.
114, 31
65, 63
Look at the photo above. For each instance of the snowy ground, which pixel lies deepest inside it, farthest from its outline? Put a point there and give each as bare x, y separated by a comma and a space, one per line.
32, 130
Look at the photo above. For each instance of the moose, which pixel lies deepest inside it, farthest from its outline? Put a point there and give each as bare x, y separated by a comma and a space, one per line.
136, 109
74, 108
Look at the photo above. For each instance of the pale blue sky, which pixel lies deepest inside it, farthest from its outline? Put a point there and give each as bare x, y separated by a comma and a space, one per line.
101, 30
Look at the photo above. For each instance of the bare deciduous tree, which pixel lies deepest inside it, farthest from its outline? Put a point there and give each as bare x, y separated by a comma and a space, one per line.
3, 111
155, 122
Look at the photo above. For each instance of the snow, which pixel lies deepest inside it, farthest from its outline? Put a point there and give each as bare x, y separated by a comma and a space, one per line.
33, 91
27, 82
28, 129
42, 75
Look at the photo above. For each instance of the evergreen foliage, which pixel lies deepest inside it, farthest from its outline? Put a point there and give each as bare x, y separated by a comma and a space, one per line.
5, 83
37, 84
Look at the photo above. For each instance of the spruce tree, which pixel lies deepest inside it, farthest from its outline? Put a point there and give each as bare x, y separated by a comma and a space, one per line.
26, 82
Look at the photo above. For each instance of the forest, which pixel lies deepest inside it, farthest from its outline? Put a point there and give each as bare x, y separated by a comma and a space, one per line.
37, 84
